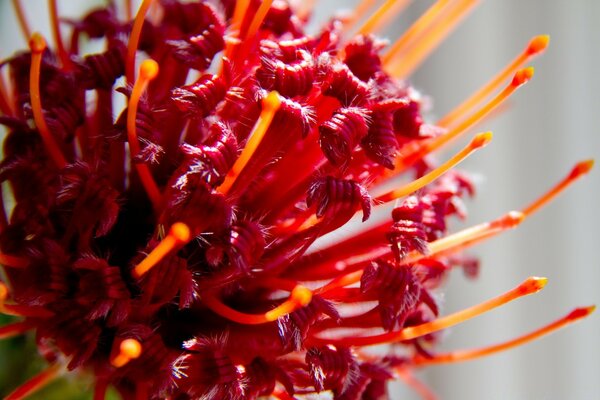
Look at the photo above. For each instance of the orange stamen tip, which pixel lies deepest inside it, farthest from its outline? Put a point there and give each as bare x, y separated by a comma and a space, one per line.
37, 43
272, 102
582, 168
180, 232
301, 295
581, 312
523, 76
533, 284
510, 220
538, 44
481, 140
131, 348
148, 69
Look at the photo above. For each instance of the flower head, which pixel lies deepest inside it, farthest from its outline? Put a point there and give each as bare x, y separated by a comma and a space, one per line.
172, 251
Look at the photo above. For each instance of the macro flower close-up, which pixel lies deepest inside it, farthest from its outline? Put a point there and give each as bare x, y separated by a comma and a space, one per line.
242, 199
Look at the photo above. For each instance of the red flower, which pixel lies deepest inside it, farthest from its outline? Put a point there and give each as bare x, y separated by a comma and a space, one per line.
171, 252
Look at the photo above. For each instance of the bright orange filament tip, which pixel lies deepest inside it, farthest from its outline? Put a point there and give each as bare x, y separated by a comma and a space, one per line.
581, 169
148, 71
479, 141
523, 76
36, 383
134, 39
129, 349
538, 44
37, 44
178, 236
466, 355
529, 286
299, 297
270, 105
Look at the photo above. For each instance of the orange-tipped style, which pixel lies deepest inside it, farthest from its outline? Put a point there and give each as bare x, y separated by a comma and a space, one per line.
479, 141
37, 44
134, 39
270, 105
129, 349
178, 236
148, 71
581, 169
299, 297
536, 46
466, 355
36, 383
529, 286
411, 155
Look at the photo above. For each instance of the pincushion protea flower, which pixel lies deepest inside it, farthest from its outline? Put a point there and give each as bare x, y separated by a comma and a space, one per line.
170, 252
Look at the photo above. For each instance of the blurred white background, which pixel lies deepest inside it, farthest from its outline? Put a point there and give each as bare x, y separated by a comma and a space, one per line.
552, 123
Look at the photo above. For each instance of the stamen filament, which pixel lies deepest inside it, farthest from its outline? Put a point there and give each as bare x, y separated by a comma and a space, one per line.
299, 297
7, 260
178, 236
468, 237
129, 349
270, 105
421, 149
55, 24
259, 17
581, 169
134, 40
419, 387
15, 329
536, 46
36, 383
410, 60
358, 11
529, 286
23, 24
478, 142
382, 16
466, 355
128, 10
37, 44
416, 30
239, 14
148, 71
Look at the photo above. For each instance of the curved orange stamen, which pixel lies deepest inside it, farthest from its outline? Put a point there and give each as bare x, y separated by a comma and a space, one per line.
178, 236
536, 46
55, 24
411, 59
529, 286
270, 105
579, 170
37, 44
382, 16
466, 355
23, 24
129, 349
36, 383
299, 297
478, 142
148, 71
239, 14
134, 40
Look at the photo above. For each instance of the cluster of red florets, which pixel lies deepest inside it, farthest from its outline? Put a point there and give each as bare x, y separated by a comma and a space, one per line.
81, 229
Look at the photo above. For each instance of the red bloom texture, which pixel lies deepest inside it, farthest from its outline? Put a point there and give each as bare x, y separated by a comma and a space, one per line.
173, 251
